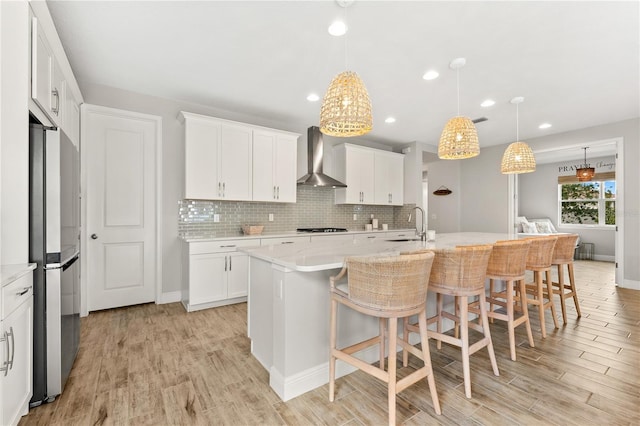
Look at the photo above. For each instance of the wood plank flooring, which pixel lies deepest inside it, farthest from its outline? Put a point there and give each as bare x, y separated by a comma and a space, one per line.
156, 364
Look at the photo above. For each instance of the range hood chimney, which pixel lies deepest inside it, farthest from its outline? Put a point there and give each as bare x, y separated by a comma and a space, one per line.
315, 154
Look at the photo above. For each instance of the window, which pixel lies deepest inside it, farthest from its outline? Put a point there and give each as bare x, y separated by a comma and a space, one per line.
588, 203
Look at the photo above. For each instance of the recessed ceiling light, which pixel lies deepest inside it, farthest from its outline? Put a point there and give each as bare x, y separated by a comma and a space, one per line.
430, 75
337, 28
544, 126
389, 120
488, 103
313, 97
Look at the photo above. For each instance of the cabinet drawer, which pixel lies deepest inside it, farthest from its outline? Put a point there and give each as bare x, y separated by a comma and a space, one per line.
221, 245
285, 240
15, 293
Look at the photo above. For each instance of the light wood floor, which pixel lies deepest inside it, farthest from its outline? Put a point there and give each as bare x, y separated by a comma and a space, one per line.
156, 364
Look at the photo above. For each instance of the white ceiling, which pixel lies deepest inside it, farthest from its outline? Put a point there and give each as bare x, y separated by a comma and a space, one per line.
577, 64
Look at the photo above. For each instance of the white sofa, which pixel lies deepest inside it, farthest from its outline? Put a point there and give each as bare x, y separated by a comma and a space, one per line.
543, 226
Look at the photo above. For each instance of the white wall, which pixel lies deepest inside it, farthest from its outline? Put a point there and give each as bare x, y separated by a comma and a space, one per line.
538, 198
14, 132
444, 210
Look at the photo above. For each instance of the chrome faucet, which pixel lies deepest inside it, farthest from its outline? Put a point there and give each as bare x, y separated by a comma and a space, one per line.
422, 234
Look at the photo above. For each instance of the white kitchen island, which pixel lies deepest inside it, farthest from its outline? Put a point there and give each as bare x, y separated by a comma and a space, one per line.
288, 314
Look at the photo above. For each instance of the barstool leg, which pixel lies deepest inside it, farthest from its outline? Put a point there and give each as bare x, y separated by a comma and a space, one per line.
464, 332
393, 335
426, 356
405, 337
332, 343
439, 319
573, 288
510, 318
525, 311
382, 331
563, 305
540, 296
487, 335
491, 291
550, 291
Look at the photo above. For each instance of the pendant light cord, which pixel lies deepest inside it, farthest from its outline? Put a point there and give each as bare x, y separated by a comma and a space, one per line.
517, 122
458, 86
346, 34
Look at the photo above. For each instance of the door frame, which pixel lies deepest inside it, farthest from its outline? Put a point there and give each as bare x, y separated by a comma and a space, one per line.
84, 237
619, 236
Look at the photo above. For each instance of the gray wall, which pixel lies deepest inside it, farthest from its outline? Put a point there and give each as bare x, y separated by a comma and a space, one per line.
538, 198
444, 210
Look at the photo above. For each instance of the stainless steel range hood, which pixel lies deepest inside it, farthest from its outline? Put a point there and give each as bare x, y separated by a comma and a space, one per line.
315, 154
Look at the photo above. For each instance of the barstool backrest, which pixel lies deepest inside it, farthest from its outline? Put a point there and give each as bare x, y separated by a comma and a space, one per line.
463, 268
541, 251
508, 258
389, 282
565, 248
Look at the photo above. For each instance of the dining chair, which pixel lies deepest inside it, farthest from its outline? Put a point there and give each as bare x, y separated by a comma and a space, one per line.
563, 255
508, 263
389, 288
539, 260
461, 273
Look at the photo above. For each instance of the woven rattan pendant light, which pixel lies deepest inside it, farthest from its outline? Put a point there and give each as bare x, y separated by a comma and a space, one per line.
518, 157
459, 138
586, 172
346, 107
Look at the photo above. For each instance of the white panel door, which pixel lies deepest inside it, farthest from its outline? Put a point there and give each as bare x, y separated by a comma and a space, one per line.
121, 207
207, 278
264, 186
235, 162
286, 168
202, 153
237, 275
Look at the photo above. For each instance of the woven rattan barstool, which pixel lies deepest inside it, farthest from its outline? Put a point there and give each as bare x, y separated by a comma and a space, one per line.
539, 261
461, 273
563, 255
389, 287
507, 263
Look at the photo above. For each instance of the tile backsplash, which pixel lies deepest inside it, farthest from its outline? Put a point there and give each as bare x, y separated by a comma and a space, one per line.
314, 208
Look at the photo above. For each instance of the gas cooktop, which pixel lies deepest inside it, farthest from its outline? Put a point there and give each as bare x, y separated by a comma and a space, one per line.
321, 230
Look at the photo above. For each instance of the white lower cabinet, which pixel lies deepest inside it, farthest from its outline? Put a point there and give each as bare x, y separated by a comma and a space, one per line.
16, 349
214, 273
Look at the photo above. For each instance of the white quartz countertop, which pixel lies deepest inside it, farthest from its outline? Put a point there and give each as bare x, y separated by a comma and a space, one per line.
10, 273
236, 235
330, 254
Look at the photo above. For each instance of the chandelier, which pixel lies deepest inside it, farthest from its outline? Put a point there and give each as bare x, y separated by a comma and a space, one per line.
518, 157
585, 173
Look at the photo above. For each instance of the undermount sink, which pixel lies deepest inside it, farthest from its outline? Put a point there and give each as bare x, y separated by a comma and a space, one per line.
401, 240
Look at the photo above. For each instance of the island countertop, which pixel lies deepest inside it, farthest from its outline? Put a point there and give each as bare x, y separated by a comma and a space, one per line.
330, 254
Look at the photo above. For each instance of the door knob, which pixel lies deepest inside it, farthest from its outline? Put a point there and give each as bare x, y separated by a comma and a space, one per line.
94, 237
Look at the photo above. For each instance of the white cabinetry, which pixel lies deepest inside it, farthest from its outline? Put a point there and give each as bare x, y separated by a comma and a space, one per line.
214, 273
49, 86
389, 178
16, 348
217, 159
46, 77
372, 176
274, 166
354, 166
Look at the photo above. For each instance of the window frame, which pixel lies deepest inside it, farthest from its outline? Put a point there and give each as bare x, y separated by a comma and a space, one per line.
601, 200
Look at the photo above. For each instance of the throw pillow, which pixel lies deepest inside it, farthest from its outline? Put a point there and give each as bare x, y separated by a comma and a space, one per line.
529, 228
519, 221
544, 228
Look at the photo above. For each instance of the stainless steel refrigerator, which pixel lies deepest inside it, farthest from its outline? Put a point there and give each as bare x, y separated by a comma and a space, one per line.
54, 231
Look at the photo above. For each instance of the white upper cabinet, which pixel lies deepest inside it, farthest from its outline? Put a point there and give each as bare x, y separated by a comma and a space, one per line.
226, 160
46, 77
50, 88
274, 166
389, 178
372, 176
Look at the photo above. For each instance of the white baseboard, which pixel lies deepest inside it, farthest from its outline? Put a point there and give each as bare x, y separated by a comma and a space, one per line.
604, 258
632, 284
170, 297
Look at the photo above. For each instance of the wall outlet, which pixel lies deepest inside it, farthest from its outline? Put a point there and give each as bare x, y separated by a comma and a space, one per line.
270, 217
216, 217
355, 216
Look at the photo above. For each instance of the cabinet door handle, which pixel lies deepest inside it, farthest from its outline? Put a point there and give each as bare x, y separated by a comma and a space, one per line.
13, 348
55, 94
5, 339
287, 242
372, 236
230, 258
219, 189
228, 245
225, 263
278, 197
24, 291
224, 189
274, 192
